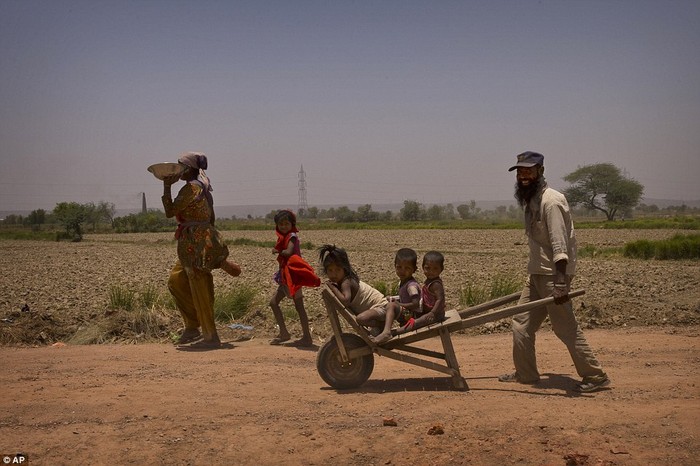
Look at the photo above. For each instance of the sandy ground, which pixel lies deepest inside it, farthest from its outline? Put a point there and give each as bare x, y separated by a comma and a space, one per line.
257, 404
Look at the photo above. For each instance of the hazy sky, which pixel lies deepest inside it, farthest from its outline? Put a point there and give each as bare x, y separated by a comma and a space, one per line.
381, 101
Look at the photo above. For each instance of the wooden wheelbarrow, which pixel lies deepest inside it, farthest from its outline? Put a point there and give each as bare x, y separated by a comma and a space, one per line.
346, 360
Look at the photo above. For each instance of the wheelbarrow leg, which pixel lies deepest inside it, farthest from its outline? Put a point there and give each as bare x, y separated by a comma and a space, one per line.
335, 323
458, 382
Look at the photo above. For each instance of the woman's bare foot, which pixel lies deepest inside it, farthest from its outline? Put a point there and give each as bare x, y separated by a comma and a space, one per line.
382, 338
303, 342
279, 339
231, 268
188, 336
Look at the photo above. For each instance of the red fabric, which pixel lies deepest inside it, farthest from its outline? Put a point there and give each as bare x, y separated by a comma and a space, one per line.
295, 272
283, 240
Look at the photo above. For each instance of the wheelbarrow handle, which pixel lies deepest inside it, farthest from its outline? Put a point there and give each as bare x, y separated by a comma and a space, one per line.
511, 311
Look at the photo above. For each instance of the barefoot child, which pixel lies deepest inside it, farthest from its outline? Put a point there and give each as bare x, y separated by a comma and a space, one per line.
366, 302
432, 308
294, 273
407, 303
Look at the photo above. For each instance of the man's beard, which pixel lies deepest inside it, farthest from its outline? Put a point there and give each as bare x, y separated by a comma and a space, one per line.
523, 194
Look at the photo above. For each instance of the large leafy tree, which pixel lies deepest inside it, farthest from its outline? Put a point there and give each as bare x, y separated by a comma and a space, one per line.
602, 187
366, 214
71, 215
467, 211
36, 217
412, 211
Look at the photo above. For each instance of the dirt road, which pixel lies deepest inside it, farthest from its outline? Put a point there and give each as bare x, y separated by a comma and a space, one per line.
256, 404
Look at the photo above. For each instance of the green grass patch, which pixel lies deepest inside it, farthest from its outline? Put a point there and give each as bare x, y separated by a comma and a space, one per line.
679, 222
501, 285
387, 288
128, 299
677, 247
670, 223
419, 225
149, 297
313, 224
234, 303
471, 295
290, 313
121, 297
28, 235
594, 252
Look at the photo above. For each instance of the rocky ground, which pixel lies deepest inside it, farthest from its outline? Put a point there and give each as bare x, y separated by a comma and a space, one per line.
250, 402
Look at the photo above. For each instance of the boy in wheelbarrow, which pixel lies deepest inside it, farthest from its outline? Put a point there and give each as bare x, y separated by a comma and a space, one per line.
426, 308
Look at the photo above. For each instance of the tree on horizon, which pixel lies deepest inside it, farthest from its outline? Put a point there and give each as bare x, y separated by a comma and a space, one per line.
602, 187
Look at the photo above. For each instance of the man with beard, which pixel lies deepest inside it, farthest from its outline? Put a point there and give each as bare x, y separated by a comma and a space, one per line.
551, 267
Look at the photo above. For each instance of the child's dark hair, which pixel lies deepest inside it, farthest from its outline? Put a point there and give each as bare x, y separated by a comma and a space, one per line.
406, 255
434, 256
330, 254
288, 214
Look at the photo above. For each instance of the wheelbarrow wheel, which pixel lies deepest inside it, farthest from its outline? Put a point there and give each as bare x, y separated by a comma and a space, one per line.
338, 374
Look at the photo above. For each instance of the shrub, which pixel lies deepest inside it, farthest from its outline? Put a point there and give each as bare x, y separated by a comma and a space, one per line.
679, 247
149, 297
145, 317
150, 221
677, 222
385, 288
121, 298
235, 303
642, 249
471, 295
501, 285
676, 248
593, 251
290, 313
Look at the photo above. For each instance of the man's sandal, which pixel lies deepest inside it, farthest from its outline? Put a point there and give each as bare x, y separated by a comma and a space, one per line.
592, 384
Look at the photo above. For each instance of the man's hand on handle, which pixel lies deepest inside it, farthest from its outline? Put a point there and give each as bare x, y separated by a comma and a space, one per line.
561, 284
560, 293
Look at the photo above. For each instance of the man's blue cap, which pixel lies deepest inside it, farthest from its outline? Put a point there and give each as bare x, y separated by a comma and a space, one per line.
528, 159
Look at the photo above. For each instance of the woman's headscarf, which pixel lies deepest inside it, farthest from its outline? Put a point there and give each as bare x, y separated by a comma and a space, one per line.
198, 161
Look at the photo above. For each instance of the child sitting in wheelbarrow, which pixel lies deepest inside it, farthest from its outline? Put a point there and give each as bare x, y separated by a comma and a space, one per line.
407, 304
432, 301
367, 303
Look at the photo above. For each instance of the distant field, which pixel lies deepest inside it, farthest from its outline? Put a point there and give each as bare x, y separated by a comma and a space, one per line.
71, 281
